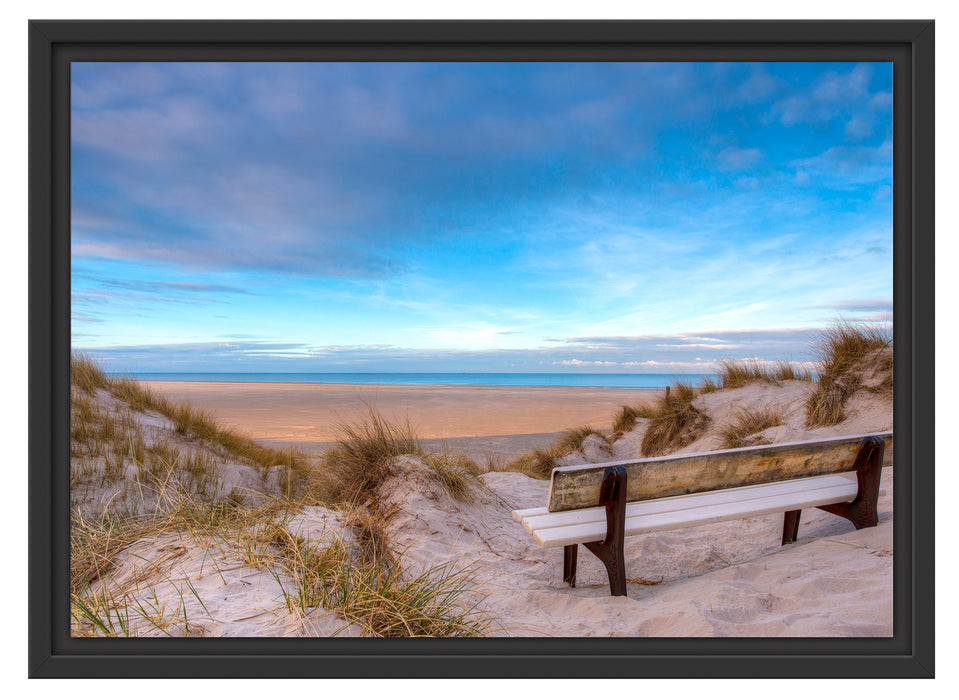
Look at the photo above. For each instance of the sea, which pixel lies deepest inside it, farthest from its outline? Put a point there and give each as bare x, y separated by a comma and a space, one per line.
457, 378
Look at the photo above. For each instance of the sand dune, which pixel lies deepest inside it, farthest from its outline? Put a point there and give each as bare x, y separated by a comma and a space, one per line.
726, 579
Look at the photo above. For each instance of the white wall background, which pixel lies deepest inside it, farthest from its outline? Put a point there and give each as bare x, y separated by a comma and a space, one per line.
13, 260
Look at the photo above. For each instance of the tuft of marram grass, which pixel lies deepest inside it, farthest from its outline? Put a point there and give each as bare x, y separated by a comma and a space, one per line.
846, 352
572, 439
674, 421
733, 375
456, 473
376, 593
102, 607
625, 418
708, 385
784, 371
884, 369
749, 422
192, 422
539, 462
87, 375
95, 540
355, 466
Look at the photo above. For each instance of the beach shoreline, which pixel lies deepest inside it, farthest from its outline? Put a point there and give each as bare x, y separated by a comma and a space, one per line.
497, 419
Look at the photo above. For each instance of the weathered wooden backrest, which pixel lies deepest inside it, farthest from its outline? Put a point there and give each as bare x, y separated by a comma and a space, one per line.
657, 477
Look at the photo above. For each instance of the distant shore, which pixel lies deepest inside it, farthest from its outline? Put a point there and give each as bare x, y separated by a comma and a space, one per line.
524, 379
499, 420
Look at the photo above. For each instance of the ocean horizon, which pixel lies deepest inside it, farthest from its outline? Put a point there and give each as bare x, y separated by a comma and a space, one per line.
452, 378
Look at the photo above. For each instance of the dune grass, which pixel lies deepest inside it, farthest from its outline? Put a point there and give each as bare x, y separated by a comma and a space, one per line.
749, 422
674, 421
376, 593
733, 375
362, 457
176, 482
539, 462
847, 354
355, 466
456, 473
572, 439
190, 421
102, 613
103, 607
625, 419
99, 614
87, 375
96, 540
110, 448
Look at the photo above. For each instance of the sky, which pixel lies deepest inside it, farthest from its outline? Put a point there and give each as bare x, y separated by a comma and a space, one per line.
475, 217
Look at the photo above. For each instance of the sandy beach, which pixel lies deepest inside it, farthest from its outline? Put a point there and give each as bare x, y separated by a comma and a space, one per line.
444, 523
724, 579
500, 421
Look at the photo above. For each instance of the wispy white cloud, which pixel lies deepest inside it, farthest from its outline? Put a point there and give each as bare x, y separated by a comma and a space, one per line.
845, 166
827, 98
480, 207
733, 158
653, 353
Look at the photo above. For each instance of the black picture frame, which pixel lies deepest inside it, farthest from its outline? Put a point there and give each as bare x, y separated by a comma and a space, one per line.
52, 47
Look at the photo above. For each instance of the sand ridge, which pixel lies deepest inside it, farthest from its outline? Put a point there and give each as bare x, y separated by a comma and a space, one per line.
725, 579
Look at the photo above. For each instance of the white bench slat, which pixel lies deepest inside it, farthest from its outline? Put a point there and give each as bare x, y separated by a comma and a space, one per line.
675, 503
541, 518
681, 516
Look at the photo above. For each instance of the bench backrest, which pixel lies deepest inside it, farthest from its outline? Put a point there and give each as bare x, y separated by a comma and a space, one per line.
657, 477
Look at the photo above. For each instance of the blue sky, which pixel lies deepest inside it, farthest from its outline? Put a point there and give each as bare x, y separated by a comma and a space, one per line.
458, 217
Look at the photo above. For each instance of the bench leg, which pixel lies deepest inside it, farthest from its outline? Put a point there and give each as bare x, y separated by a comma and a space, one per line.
570, 553
862, 511
610, 551
791, 526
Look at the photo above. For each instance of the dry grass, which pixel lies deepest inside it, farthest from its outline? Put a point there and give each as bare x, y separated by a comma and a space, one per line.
173, 484
882, 371
540, 462
674, 421
733, 375
537, 463
625, 419
353, 468
749, 422
111, 450
192, 422
456, 473
847, 354
88, 376
572, 439
709, 385
376, 593
101, 606
362, 457
95, 541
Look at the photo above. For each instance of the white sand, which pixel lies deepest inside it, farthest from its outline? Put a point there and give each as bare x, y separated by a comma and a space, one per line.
726, 579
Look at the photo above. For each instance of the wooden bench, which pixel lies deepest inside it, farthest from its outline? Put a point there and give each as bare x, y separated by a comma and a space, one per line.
588, 503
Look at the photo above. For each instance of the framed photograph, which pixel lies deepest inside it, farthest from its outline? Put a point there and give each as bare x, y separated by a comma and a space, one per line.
481, 349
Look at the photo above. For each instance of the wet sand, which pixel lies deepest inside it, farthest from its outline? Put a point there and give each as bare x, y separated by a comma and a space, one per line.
496, 420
